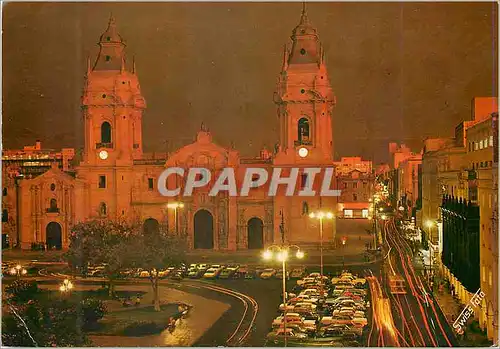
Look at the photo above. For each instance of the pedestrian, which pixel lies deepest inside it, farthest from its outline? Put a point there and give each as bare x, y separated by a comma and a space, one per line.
137, 300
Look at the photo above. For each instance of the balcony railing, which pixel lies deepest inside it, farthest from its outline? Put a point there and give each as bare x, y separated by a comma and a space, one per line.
103, 145
302, 143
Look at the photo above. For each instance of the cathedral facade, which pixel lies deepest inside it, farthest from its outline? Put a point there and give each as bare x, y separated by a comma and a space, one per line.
117, 180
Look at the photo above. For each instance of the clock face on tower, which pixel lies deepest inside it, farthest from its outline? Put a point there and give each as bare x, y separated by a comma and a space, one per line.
303, 152
103, 154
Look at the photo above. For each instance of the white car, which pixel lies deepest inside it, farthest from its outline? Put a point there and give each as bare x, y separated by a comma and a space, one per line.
290, 318
305, 281
211, 273
289, 307
310, 292
360, 321
307, 298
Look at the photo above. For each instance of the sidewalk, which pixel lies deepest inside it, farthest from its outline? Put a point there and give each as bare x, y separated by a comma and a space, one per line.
450, 306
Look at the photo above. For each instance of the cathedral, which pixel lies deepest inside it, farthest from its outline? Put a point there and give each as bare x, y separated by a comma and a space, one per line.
117, 180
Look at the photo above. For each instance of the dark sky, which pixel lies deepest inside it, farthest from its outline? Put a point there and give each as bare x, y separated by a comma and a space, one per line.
400, 71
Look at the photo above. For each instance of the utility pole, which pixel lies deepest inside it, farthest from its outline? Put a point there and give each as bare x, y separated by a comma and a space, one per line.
282, 227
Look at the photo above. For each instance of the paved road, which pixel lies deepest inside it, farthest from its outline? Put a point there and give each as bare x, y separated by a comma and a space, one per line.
418, 318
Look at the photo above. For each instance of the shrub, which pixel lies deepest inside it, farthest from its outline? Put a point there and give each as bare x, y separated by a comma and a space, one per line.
143, 328
22, 291
92, 310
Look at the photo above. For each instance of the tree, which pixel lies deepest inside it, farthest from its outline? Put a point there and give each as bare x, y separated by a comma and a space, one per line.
43, 324
155, 250
100, 242
21, 291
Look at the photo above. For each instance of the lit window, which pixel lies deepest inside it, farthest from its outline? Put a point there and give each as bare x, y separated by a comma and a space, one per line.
491, 141
347, 213
489, 277
481, 144
484, 274
476, 146
364, 213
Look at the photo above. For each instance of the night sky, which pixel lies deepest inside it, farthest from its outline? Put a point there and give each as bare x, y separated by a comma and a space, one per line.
400, 71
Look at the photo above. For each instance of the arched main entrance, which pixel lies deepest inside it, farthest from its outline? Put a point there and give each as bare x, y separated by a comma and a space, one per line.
203, 230
150, 226
255, 233
53, 236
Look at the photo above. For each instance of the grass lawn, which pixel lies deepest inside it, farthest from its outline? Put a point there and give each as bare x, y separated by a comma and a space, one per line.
136, 322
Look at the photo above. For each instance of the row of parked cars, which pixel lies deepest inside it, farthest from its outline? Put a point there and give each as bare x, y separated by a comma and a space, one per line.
323, 311
204, 271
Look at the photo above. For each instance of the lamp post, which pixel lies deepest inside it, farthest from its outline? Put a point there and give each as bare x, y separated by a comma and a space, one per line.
430, 224
66, 286
282, 254
320, 215
18, 270
175, 206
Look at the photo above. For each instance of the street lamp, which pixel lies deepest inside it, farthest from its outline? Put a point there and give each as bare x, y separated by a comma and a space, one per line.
282, 254
66, 286
320, 215
430, 224
18, 270
175, 206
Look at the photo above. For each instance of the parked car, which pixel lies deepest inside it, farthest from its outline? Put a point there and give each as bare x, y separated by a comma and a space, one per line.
267, 274
360, 321
297, 273
227, 273
290, 333
176, 275
251, 274
211, 273
305, 280
279, 274
203, 266
290, 318
289, 307
195, 273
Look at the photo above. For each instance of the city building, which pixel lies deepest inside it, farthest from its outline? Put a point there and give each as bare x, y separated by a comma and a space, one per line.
356, 193
347, 164
26, 163
117, 180
459, 205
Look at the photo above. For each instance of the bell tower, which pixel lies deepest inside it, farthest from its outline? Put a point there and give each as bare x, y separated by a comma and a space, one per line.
305, 101
304, 97
112, 105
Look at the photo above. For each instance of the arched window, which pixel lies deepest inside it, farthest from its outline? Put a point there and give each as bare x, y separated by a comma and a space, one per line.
303, 129
103, 209
105, 132
305, 208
